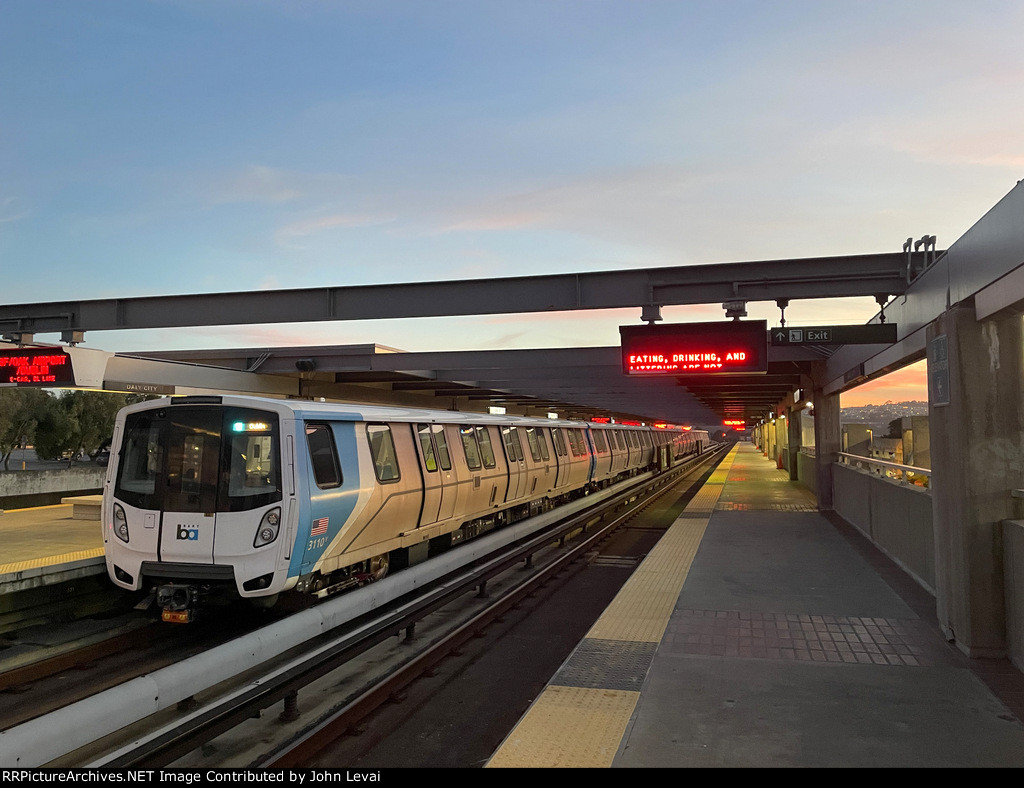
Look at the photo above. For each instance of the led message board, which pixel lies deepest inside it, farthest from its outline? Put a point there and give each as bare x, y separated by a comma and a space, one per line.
737, 347
48, 366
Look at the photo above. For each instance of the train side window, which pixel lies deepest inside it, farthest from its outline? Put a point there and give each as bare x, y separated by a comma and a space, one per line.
599, 442
517, 443
556, 436
574, 442
513, 449
429, 461
444, 457
532, 440
543, 443
382, 450
471, 448
486, 451
323, 455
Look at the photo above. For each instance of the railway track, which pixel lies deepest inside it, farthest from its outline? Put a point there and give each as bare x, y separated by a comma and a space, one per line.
381, 656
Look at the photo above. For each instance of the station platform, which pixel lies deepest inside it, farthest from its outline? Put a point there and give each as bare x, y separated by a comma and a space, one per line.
762, 633
47, 544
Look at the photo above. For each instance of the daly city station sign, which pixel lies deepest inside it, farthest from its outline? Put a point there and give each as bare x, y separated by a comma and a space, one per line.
739, 347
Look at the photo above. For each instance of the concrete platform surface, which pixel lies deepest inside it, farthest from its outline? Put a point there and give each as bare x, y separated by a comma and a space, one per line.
760, 632
46, 536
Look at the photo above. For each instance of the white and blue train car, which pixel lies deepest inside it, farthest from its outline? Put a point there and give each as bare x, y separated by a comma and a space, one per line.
260, 496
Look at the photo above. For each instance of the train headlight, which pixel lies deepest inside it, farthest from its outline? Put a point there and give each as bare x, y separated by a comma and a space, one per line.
269, 528
120, 523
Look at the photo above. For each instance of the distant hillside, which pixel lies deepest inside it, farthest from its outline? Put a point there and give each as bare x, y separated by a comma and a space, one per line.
879, 416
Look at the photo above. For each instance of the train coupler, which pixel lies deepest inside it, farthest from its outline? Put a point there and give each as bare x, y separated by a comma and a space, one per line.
177, 602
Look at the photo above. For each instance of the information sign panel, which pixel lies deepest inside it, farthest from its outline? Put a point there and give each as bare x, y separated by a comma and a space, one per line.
737, 347
49, 366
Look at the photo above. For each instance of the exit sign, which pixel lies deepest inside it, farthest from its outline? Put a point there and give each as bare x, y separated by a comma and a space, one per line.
871, 334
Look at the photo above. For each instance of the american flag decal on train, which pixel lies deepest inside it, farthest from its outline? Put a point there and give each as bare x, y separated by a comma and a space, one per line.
319, 527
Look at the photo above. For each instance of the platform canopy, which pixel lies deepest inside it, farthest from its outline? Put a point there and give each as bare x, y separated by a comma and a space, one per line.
574, 382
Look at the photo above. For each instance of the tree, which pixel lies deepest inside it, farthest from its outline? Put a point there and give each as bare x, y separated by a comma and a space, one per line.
55, 431
20, 411
78, 421
895, 428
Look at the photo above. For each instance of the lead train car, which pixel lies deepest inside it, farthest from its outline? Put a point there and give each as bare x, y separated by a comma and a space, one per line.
260, 496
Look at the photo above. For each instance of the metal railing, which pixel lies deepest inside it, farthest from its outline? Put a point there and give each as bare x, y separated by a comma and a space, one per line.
908, 474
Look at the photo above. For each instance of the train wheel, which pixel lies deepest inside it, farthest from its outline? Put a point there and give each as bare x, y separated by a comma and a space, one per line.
378, 567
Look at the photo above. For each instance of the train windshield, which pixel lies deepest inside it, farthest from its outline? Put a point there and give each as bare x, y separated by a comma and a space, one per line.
196, 458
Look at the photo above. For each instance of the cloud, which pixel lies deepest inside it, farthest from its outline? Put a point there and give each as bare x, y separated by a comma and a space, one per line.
257, 183
311, 226
495, 221
908, 383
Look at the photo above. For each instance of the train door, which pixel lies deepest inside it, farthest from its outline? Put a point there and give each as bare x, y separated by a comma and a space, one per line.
589, 449
432, 489
618, 451
516, 463
439, 486
449, 478
545, 473
561, 457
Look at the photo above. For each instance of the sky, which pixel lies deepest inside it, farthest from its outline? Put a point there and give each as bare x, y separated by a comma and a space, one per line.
154, 147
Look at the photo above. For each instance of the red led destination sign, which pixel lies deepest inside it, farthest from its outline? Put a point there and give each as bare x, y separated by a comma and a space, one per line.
695, 348
36, 367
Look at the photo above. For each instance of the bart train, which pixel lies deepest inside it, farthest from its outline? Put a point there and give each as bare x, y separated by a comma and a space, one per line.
256, 496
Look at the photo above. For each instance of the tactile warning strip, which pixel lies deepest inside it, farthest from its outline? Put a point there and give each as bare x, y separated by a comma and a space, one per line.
579, 719
37, 563
733, 506
569, 727
844, 639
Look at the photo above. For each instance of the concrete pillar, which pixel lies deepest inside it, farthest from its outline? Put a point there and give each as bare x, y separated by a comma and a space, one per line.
975, 409
793, 436
828, 441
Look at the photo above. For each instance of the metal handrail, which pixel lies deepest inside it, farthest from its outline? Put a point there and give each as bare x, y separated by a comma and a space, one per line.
848, 458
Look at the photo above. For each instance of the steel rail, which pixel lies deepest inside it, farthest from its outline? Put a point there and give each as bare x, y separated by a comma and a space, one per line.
318, 737
166, 745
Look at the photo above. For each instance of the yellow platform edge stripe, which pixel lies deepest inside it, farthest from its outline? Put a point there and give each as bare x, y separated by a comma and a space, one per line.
592, 723
579, 727
50, 560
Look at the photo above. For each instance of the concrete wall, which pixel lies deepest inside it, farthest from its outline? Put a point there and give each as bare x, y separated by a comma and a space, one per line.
1013, 580
38, 488
896, 517
807, 471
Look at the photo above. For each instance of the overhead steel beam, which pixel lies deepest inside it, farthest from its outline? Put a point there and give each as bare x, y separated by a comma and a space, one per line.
817, 277
584, 380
